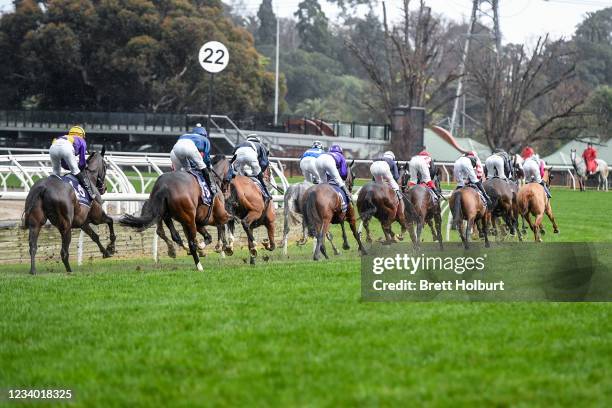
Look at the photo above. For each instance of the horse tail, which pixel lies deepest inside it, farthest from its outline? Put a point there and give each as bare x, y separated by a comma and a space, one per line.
311, 214
34, 197
152, 211
409, 208
367, 208
457, 212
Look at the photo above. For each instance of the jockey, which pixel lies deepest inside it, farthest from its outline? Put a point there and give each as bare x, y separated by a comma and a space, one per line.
193, 150
331, 166
308, 162
499, 162
63, 153
527, 152
251, 158
534, 171
421, 169
465, 169
385, 169
590, 156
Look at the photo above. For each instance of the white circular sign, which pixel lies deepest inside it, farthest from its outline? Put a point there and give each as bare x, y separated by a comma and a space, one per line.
213, 57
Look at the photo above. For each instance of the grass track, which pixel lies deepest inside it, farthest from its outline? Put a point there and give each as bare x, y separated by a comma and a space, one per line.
294, 332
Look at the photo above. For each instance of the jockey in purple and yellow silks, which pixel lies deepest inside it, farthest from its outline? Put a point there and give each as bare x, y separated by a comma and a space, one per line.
332, 167
64, 151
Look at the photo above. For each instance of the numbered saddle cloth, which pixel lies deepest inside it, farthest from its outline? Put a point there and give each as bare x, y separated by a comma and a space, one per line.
340, 191
258, 184
82, 195
204, 190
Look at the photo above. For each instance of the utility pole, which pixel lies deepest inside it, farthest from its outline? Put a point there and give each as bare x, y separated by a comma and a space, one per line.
276, 70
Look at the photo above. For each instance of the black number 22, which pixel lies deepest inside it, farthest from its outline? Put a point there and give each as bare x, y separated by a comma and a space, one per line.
209, 53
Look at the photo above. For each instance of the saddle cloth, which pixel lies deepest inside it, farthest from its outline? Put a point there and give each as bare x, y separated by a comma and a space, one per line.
484, 202
343, 198
204, 190
434, 197
258, 184
81, 194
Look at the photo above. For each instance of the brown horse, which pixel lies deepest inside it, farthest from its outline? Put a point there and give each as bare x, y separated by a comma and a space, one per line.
380, 201
426, 210
532, 200
246, 203
503, 196
177, 196
54, 200
465, 204
322, 208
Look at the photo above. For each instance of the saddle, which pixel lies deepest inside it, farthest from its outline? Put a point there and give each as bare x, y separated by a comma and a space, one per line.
81, 194
258, 184
340, 192
205, 193
484, 201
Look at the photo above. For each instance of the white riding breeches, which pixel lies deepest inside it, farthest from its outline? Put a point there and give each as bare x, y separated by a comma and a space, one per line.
531, 169
247, 163
419, 170
326, 167
463, 171
183, 152
382, 173
63, 150
308, 165
495, 166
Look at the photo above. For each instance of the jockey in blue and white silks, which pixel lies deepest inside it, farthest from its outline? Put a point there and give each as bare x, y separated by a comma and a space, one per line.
193, 150
63, 153
308, 162
251, 159
465, 172
384, 169
332, 167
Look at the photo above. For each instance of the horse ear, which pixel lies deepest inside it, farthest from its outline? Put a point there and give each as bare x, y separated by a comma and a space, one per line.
103, 150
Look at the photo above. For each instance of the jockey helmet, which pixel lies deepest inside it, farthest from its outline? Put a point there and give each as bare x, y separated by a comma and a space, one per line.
253, 138
335, 148
199, 130
499, 150
77, 131
389, 155
317, 145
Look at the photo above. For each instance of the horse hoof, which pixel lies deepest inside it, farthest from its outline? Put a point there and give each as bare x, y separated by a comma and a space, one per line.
172, 254
253, 252
346, 247
487, 245
336, 252
556, 231
32, 271
106, 254
252, 260
228, 251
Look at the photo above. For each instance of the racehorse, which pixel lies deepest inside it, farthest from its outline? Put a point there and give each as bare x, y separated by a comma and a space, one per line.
426, 211
293, 203
177, 196
245, 202
466, 204
54, 200
503, 197
581, 171
380, 201
532, 200
322, 207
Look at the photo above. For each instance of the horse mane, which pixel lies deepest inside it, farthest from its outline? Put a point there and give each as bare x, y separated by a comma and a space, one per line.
217, 158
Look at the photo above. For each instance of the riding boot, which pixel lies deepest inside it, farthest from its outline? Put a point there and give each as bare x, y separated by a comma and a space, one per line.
348, 193
91, 190
546, 189
267, 196
484, 193
212, 186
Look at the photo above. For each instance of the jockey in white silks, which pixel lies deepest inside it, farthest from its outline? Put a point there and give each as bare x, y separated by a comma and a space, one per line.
250, 159
534, 171
308, 163
421, 169
332, 167
384, 169
498, 165
465, 172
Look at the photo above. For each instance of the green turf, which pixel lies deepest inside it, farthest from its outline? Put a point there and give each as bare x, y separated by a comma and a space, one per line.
290, 332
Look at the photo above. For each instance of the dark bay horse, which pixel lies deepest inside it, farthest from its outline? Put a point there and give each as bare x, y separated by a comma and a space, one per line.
427, 211
322, 208
503, 197
54, 200
380, 201
466, 205
246, 203
177, 196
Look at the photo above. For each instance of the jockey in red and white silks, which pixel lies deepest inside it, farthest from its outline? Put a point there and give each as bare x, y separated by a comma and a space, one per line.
420, 170
384, 169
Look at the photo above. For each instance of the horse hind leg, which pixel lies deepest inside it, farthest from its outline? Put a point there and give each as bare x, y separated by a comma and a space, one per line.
162, 234
86, 228
190, 230
34, 231
66, 234
345, 244
176, 237
330, 238
551, 217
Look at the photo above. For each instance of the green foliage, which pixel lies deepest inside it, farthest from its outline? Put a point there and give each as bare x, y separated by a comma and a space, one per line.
266, 32
600, 104
594, 44
128, 55
313, 28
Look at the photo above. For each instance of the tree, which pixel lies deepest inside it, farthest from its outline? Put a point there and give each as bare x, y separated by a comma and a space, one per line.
266, 32
593, 41
522, 104
313, 27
